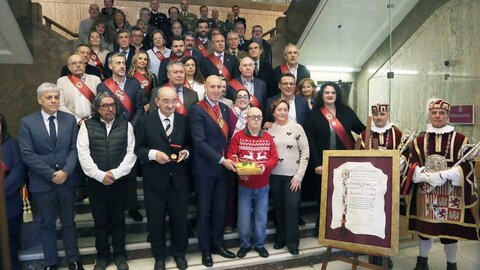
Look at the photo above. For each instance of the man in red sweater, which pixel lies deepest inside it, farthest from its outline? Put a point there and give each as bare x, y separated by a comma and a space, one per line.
256, 146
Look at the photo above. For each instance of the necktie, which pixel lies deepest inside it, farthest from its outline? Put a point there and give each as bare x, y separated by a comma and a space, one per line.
217, 110
168, 128
256, 68
124, 53
53, 130
234, 53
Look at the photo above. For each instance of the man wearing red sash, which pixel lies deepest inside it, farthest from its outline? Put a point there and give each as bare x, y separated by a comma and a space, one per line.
190, 49
441, 194
176, 78
290, 53
256, 87
85, 51
219, 63
77, 90
298, 104
177, 54
128, 95
209, 122
202, 43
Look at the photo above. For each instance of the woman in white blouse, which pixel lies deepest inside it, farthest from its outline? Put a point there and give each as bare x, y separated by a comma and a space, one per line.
158, 52
193, 77
286, 178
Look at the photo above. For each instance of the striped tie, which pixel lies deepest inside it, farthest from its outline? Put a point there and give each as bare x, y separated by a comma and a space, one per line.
168, 128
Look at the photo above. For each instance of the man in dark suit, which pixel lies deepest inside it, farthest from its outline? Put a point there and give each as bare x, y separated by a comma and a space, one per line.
157, 18
236, 15
128, 94
123, 46
257, 36
219, 63
291, 65
47, 146
241, 28
105, 147
204, 18
256, 87
163, 144
176, 79
262, 69
177, 54
298, 104
209, 122
85, 51
189, 38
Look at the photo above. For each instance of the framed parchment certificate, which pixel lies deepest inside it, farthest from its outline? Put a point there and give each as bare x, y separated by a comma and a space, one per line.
360, 201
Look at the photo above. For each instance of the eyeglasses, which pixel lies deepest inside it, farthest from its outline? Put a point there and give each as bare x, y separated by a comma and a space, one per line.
243, 97
288, 84
255, 117
108, 106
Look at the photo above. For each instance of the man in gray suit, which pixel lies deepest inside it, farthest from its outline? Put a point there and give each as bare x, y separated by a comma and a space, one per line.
48, 148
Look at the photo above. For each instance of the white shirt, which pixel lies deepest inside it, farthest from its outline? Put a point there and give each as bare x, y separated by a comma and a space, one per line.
199, 88
88, 165
154, 61
293, 71
121, 85
45, 117
219, 55
292, 112
249, 85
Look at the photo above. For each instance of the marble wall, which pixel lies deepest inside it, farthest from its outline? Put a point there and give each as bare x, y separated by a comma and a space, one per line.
450, 33
70, 13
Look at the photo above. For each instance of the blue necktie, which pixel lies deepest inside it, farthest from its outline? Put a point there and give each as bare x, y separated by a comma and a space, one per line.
53, 130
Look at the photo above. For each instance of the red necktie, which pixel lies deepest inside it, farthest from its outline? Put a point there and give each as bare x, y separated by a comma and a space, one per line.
217, 110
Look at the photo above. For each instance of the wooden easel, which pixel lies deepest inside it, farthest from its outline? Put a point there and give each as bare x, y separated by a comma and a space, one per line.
355, 262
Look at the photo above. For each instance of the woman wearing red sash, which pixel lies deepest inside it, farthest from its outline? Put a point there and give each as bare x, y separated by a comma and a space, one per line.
139, 71
158, 52
100, 26
194, 77
329, 126
99, 54
14, 173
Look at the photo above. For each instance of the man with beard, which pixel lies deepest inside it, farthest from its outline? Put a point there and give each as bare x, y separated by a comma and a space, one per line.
189, 38
202, 43
178, 52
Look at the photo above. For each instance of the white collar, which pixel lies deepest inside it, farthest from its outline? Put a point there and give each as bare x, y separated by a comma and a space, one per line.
163, 117
381, 130
442, 130
45, 115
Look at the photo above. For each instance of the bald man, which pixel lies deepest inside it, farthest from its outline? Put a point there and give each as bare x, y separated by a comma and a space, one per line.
209, 121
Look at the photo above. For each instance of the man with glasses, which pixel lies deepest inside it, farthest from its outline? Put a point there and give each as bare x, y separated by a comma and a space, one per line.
252, 145
298, 104
257, 36
105, 146
136, 39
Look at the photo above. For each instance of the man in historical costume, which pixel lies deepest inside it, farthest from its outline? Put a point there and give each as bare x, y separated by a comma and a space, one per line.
255, 86
106, 152
85, 51
442, 198
209, 121
47, 141
188, 18
219, 63
128, 95
290, 53
385, 133
163, 144
176, 79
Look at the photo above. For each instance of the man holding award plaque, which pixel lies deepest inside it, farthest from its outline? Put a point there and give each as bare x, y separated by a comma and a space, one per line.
256, 156
440, 187
163, 144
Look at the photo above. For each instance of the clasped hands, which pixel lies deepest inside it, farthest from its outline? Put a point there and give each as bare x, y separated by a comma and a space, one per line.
436, 178
59, 177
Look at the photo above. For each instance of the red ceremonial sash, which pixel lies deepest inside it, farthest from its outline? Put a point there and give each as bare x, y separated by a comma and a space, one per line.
217, 118
284, 68
82, 87
120, 94
144, 81
97, 61
220, 66
200, 47
4, 168
187, 84
237, 85
338, 128
180, 108
187, 53
159, 55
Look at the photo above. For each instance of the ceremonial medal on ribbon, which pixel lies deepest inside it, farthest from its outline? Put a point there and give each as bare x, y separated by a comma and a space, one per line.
79, 85
94, 57
220, 122
220, 66
200, 47
119, 95
144, 83
435, 163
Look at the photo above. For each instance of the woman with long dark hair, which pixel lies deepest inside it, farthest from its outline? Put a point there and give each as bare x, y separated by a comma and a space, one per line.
14, 172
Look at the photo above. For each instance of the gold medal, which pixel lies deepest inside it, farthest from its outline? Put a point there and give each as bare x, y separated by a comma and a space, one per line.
79, 85
220, 122
330, 116
173, 156
334, 123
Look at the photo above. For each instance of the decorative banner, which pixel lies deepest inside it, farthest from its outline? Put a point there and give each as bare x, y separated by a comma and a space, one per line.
462, 114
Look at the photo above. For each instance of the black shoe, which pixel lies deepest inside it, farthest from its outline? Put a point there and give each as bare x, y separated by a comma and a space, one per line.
75, 266
263, 252
422, 263
278, 245
181, 263
148, 238
301, 222
101, 264
224, 253
121, 263
159, 265
242, 252
81, 194
451, 266
51, 267
293, 251
207, 259
135, 215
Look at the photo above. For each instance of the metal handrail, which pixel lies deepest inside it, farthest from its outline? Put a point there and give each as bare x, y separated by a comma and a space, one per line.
49, 22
